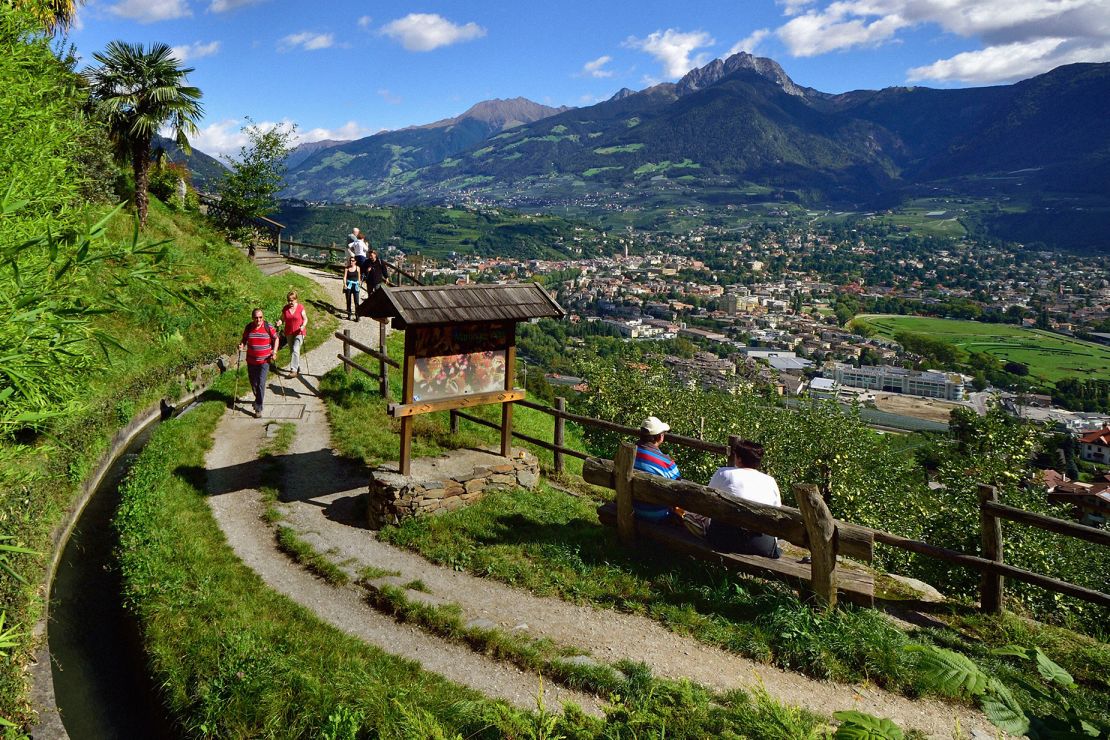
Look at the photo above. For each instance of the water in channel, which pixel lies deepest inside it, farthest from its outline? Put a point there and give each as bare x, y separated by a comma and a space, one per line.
101, 683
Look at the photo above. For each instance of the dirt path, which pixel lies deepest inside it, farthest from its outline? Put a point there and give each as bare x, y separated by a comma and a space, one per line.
323, 492
233, 480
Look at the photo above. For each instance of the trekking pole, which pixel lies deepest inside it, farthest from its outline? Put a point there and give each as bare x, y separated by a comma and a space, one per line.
235, 396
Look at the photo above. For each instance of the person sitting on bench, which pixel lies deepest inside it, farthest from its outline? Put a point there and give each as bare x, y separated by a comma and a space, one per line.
650, 460
742, 480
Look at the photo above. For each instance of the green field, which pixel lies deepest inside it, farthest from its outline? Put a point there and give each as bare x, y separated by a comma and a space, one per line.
1049, 356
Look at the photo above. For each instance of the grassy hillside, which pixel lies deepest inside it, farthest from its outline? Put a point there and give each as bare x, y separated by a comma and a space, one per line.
1049, 356
436, 232
153, 349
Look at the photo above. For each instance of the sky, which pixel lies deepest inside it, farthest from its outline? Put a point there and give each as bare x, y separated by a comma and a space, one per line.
344, 69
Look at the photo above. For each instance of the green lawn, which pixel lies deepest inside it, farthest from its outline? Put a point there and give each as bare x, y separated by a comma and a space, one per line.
1049, 356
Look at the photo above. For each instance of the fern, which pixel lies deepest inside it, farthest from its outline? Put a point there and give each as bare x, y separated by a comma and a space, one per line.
954, 673
860, 726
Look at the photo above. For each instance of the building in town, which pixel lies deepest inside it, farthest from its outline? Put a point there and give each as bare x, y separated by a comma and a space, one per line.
924, 383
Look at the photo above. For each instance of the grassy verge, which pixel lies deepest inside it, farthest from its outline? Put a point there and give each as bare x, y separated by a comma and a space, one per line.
237, 660
162, 348
551, 544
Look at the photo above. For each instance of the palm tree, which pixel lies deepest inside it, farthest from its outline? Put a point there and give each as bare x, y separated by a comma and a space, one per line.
138, 92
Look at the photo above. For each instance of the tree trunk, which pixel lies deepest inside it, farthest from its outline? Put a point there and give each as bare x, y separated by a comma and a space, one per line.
140, 164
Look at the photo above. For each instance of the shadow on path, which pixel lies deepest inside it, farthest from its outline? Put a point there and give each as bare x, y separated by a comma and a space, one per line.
306, 476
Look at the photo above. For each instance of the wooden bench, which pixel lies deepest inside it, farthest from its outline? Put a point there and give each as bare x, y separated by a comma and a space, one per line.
811, 527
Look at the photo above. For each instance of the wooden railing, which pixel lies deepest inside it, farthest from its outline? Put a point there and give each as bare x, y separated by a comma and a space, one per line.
384, 360
991, 566
341, 252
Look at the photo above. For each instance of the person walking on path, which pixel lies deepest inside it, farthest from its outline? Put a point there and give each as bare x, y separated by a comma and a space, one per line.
294, 323
352, 283
260, 340
651, 460
375, 271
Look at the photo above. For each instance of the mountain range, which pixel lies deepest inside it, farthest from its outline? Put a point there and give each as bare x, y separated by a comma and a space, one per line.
349, 170
733, 126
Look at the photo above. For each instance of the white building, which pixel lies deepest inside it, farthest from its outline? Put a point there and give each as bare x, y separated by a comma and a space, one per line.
924, 383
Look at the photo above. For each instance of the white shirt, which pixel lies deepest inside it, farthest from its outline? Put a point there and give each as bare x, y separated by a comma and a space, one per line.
357, 248
747, 484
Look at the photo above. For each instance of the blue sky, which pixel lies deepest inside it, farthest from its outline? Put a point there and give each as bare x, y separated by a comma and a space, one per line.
349, 68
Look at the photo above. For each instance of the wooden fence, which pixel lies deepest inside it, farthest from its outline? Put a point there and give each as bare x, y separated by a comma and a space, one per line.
990, 565
340, 254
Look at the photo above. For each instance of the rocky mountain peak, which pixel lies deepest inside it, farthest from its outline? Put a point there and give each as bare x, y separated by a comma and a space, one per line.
502, 114
718, 69
621, 94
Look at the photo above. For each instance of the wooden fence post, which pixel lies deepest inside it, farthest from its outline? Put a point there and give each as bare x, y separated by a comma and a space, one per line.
347, 350
990, 584
821, 529
383, 368
454, 421
626, 516
557, 439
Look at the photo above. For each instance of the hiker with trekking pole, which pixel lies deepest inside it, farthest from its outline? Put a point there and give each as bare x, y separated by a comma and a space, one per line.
260, 340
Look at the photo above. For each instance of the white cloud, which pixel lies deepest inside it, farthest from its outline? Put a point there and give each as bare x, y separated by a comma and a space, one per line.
818, 32
1019, 37
222, 6
348, 131
673, 49
307, 40
365, 21
389, 97
596, 68
1009, 62
793, 7
150, 11
226, 138
195, 50
220, 138
427, 31
751, 43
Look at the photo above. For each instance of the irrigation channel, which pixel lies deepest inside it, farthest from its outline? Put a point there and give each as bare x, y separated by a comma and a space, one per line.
101, 684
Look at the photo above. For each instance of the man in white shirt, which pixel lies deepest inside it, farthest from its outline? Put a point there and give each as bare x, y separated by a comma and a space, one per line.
742, 480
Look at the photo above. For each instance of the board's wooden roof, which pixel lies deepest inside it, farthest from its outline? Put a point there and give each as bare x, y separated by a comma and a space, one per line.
426, 305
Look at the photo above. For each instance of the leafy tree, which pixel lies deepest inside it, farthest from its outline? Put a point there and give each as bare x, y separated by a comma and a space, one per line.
249, 191
138, 91
51, 14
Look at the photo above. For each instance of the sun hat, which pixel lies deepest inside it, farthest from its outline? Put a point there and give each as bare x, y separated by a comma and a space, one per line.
653, 426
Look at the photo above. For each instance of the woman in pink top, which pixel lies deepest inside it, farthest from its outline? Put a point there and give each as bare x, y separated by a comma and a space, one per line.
294, 321
743, 481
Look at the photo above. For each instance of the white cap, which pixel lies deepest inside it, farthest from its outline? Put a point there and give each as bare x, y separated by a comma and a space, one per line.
653, 426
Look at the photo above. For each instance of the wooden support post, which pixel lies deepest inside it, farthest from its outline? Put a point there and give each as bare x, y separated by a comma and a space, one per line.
626, 515
383, 368
990, 584
454, 421
507, 408
347, 350
732, 439
557, 439
821, 531
406, 397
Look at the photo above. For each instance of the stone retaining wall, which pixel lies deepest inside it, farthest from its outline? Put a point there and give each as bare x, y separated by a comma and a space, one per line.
445, 483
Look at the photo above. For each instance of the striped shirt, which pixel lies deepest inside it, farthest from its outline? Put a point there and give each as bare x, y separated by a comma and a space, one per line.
653, 462
260, 342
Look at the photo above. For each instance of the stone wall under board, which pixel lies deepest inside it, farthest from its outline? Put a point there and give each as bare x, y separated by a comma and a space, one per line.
445, 483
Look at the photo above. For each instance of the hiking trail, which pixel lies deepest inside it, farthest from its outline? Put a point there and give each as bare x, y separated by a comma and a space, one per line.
318, 501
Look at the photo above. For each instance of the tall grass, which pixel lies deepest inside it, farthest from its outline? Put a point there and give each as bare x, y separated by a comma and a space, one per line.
162, 346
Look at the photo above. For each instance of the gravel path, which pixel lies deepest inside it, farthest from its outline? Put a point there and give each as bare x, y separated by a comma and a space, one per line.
322, 492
